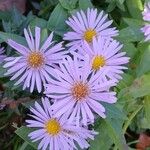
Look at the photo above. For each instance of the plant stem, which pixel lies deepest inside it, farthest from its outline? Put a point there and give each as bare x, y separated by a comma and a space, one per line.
127, 123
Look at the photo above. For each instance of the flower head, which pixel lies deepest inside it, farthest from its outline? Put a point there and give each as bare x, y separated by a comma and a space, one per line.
146, 12
146, 17
78, 91
56, 133
146, 31
88, 25
33, 65
104, 54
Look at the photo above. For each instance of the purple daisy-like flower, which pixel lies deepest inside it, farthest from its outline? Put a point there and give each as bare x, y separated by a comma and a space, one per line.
33, 65
105, 54
1, 55
88, 25
146, 17
146, 31
146, 12
56, 133
78, 91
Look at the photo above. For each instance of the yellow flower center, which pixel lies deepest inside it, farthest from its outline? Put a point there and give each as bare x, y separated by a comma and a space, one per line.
98, 61
89, 34
35, 59
80, 91
53, 127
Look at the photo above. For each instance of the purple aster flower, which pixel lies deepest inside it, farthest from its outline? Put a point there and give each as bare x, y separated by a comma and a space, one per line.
88, 25
146, 12
146, 17
56, 133
1, 55
78, 91
33, 65
146, 31
105, 54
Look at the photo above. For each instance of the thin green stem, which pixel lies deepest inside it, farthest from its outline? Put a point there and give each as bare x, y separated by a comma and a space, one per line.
127, 123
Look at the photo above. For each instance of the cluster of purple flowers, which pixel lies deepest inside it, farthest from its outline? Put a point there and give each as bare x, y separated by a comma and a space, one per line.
146, 17
75, 80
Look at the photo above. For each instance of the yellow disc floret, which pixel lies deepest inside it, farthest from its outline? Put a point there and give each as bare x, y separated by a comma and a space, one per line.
98, 61
35, 59
53, 127
89, 34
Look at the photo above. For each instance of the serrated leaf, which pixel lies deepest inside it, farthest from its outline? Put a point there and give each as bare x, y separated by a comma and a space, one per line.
23, 133
84, 4
57, 20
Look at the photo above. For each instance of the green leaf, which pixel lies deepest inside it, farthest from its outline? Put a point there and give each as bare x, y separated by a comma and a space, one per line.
24, 145
120, 5
102, 141
44, 35
111, 6
114, 131
5, 15
39, 22
140, 86
16, 17
5, 36
68, 4
130, 49
133, 22
2, 71
130, 34
23, 133
131, 117
144, 123
120, 1
6, 26
135, 7
110, 129
84, 4
57, 20
114, 112
126, 81
144, 65
147, 108
29, 18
